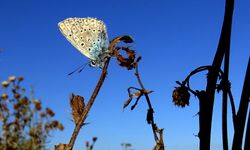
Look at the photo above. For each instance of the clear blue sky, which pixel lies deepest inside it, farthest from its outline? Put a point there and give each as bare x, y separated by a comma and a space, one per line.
172, 36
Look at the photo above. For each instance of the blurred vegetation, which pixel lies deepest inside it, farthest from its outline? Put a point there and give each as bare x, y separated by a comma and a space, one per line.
25, 125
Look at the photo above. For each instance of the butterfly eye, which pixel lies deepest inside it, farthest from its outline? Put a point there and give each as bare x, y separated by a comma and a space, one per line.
93, 64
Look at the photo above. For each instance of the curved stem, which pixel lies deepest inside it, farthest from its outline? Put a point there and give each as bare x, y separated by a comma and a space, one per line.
148, 101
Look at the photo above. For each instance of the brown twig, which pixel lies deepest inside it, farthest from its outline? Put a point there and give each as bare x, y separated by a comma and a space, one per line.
153, 125
89, 105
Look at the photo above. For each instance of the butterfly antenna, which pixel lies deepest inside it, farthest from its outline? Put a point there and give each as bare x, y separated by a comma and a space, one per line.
81, 68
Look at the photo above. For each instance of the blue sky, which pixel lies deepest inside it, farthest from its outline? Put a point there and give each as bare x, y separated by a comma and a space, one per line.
172, 36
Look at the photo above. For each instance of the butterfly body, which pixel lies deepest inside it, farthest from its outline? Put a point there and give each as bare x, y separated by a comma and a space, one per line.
89, 36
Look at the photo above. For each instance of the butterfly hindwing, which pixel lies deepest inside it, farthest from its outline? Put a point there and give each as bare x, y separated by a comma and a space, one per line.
88, 35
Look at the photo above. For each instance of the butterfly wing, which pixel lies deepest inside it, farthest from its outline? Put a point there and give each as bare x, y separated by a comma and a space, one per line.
88, 35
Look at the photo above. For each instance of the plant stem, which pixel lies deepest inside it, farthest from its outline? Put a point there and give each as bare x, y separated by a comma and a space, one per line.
225, 100
206, 105
242, 112
148, 101
89, 105
247, 138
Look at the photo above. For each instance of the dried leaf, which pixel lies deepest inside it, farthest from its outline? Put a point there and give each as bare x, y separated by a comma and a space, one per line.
150, 116
137, 93
127, 102
126, 39
77, 105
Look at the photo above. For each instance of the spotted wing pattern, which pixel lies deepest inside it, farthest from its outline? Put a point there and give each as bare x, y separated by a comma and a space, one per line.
88, 35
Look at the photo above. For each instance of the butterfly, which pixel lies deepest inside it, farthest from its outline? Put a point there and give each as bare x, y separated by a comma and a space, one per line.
89, 36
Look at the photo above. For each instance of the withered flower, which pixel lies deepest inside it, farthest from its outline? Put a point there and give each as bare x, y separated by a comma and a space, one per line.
94, 139
60, 126
37, 104
12, 78
16, 106
181, 96
24, 101
17, 95
5, 84
20, 78
50, 112
129, 61
4, 96
42, 115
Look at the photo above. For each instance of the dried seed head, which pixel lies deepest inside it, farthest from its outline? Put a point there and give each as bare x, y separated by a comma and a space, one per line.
37, 104
17, 95
77, 106
12, 78
4, 96
60, 126
42, 115
5, 84
50, 112
127, 62
94, 139
20, 78
181, 96
24, 101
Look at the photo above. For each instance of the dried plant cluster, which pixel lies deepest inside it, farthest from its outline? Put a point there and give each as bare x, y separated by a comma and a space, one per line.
80, 111
90, 146
25, 125
218, 80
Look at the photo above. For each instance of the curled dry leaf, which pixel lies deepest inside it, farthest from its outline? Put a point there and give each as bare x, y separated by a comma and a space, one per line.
77, 105
127, 102
128, 61
126, 39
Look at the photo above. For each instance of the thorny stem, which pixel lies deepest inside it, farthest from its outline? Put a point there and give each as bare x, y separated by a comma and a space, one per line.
148, 101
89, 105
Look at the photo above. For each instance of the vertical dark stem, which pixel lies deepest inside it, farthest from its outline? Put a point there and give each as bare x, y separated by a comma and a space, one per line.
242, 112
247, 139
225, 100
206, 105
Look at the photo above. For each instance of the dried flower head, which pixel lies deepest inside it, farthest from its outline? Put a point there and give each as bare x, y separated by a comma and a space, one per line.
60, 126
5, 84
17, 95
129, 61
50, 112
77, 105
94, 139
24, 101
181, 96
4, 96
12, 78
20, 78
42, 115
37, 104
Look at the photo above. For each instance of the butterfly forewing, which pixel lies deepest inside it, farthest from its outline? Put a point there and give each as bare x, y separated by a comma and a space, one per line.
88, 35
